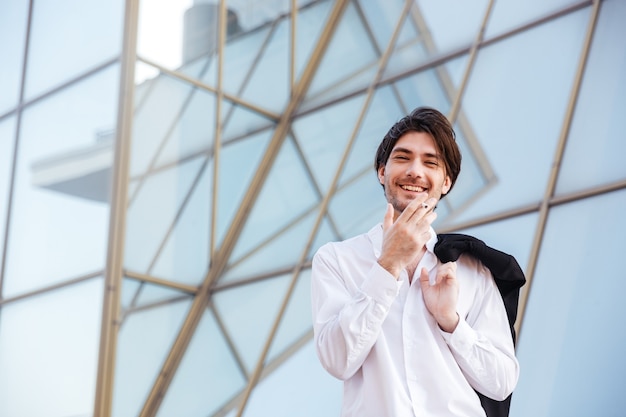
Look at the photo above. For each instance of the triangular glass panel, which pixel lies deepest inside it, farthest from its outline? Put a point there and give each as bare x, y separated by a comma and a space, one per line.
268, 86
349, 62
144, 340
384, 109
239, 160
193, 131
287, 193
249, 312
366, 194
155, 116
284, 249
154, 210
185, 257
208, 375
296, 322
323, 135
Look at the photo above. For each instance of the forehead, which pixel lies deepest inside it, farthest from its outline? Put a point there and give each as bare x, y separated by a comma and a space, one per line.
416, 142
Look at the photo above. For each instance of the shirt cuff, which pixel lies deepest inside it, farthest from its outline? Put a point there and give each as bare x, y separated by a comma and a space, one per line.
381, 285
462, 339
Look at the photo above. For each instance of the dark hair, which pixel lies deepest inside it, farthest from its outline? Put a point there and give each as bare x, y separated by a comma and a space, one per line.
433, 122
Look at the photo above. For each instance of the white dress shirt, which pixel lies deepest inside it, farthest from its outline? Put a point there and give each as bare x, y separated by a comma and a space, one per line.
375, 333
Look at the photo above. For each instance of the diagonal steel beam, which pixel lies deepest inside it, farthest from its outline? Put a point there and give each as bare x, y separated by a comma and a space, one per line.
220, 260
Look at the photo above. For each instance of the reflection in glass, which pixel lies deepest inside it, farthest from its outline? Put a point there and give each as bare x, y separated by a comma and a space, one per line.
49, 352
60, 211
70, 37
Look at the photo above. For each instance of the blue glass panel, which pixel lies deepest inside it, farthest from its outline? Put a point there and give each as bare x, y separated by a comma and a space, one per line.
350, 51
49, 352
69, 37
509, 14
323, 136
7, 142
384, 110
299, 387
154, 210
208, 375
287, 193
382, 18
571, 353
529, 77
309, 26
447, 27
193, 131
156, 121
268, 86
296, 322
60, 211
185, 256
358, 206
284, 250
144, 341
240, 54
13, 20
595, 149
239, 161
249, 312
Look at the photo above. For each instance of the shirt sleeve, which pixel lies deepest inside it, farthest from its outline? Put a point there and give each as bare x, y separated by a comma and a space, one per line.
482, 344
347, 317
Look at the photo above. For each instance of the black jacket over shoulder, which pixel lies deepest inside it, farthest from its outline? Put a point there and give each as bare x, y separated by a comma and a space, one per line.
509, 278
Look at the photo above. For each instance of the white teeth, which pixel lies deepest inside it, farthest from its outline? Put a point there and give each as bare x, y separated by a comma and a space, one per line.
413, 188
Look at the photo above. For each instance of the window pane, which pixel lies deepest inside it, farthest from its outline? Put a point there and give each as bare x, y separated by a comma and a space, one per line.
571, 353
299, 387
69, 37
60, 209
595, 149
508, 14
529, 77
7, 141
144, 341
13, 20
49, 352
208, 376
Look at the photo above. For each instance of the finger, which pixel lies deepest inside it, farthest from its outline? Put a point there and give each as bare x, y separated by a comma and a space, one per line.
388, 219
424, 278
423, 209
411, 210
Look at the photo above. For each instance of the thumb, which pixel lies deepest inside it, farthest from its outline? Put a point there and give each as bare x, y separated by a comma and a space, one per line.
388, 220
424, 278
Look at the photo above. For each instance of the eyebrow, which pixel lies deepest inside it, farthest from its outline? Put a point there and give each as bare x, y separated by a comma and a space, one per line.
410, 152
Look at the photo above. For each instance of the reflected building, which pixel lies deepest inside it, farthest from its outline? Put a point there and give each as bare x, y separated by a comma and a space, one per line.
169, 170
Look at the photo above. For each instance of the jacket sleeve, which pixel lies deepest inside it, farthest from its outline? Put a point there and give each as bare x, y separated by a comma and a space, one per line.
348, 313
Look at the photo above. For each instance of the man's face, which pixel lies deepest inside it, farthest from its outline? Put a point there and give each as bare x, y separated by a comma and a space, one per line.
413, 170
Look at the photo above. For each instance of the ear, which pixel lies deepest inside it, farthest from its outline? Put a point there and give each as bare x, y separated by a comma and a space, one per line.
381, 174
447, 184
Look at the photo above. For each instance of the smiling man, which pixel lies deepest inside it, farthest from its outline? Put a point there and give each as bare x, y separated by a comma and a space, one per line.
408, 334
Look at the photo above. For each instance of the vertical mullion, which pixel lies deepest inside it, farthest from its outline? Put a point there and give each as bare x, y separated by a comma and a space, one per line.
117, 217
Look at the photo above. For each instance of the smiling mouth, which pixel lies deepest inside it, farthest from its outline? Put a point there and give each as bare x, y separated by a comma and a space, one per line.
413, 188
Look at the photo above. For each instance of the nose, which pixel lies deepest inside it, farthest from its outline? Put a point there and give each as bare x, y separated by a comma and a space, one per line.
414, 169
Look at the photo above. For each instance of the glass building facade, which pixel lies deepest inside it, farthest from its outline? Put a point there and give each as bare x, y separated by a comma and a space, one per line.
169, 167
